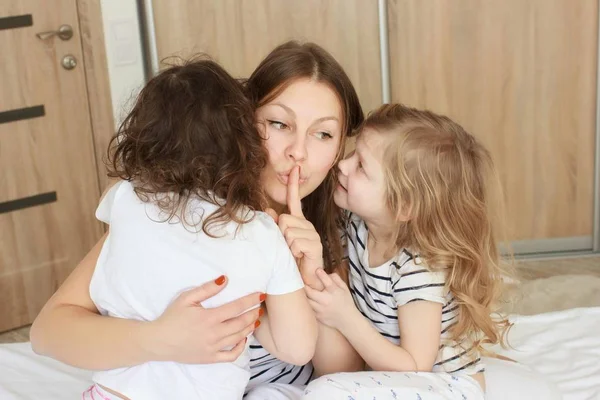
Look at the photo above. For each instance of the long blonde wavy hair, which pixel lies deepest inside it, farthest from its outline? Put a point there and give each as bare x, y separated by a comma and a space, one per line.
442, 178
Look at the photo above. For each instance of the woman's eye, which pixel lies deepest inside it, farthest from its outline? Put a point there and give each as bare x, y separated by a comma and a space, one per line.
324, 135
277, 125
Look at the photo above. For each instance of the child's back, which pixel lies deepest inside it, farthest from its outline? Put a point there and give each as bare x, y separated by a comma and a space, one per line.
187, 211
145, 264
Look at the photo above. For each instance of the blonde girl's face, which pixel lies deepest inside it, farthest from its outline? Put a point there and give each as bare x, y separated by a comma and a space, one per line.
362, 185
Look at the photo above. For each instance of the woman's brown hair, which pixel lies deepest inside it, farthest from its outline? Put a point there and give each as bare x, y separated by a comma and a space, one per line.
191, 133
284, 65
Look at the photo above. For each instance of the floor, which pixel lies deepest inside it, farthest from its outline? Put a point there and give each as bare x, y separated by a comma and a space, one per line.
555, 285
15, 336
540, 286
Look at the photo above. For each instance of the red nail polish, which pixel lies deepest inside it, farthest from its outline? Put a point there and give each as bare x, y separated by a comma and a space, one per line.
220, 280
261, 312
256, 324
262, 297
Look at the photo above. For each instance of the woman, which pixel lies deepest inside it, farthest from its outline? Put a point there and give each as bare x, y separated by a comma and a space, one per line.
306, 107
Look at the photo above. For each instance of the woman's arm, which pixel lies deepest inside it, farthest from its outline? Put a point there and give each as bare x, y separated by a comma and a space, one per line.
334, 353
70, 329
289, 336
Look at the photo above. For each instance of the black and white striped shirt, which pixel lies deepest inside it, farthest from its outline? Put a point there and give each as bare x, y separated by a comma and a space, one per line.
380, 290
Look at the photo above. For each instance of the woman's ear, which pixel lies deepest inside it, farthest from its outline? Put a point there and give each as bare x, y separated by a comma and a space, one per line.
261, 126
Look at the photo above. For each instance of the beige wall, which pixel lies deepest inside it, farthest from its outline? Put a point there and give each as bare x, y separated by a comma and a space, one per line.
519, 74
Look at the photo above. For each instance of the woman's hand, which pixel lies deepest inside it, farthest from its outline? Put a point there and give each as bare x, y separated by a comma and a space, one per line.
188, 333
300, 234
333, 306
185, 333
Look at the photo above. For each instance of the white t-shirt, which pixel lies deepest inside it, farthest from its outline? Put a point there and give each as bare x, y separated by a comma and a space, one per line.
145, 264
378, 291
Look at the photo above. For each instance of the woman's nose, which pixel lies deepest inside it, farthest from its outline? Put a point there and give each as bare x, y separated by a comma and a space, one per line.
297, 149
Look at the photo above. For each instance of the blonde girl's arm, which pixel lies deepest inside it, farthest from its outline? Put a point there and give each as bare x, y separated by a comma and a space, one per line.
419, 324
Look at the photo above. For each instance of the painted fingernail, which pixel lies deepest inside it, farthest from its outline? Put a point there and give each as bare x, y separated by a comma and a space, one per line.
262, 297
261, 312
220, 280
256, 324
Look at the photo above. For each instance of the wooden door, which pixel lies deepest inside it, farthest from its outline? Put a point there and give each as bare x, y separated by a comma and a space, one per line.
240, 33
520, 75
48, 180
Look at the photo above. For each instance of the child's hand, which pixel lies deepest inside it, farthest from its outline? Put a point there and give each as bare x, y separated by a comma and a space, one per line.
300, 235
333, 306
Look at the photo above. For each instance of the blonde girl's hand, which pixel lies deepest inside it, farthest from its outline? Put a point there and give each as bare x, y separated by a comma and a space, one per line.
333, 306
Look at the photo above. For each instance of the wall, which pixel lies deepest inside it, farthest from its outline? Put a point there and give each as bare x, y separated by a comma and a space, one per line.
123, 52
521, 75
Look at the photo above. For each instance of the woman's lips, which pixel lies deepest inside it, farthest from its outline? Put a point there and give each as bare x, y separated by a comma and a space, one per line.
284, 178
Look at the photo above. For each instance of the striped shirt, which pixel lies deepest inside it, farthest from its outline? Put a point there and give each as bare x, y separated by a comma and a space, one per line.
379, 291
265, 368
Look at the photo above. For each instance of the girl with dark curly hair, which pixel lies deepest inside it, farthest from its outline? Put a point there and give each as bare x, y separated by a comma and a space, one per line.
189, 160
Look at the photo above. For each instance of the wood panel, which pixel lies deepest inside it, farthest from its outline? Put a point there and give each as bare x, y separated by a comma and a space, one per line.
97, 80
53, 153
520, 75
240, 33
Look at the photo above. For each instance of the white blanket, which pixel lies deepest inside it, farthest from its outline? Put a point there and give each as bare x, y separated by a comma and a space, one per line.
24, 375
564, 346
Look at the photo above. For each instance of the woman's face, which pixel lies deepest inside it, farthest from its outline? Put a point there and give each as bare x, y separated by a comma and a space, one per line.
302, 126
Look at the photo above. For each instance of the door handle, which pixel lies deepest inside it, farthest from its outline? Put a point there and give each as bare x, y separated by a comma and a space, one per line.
64, 32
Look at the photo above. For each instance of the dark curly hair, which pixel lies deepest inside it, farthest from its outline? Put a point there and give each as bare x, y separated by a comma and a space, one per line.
192, 134
287, 63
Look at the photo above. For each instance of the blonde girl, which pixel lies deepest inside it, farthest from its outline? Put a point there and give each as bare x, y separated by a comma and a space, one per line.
423, 272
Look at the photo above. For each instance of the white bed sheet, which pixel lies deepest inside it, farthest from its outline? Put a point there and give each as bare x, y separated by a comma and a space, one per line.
563, 346
24, 375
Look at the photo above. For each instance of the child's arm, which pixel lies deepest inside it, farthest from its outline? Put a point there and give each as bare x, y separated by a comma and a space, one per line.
288, 330
420, 326
420, 336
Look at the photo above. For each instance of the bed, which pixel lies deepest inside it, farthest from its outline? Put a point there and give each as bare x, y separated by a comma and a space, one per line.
563, 346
